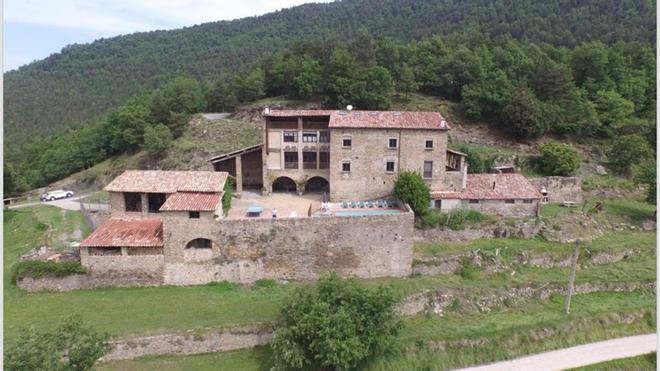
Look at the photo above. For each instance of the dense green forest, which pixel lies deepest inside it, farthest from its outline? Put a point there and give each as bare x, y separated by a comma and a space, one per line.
582, 69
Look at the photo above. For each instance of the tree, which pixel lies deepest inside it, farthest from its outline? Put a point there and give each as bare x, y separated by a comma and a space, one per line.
125, 126
487, 96
627, 151
558, 159
477, 161
613, 110
523, 115
70, 347
645, 173
411, 189
373, 90
406, 83
184, 95
335, 324
553, 81
250, 86
157, 140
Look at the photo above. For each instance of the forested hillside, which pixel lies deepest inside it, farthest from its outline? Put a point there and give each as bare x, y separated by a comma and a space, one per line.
582, 69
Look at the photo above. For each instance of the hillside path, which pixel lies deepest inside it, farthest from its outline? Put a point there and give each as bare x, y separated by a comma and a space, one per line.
64, 203
578, 356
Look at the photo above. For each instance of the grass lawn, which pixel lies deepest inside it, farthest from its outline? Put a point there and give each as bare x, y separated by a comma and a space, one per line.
639, 363
98, 197
438, 343
616, 210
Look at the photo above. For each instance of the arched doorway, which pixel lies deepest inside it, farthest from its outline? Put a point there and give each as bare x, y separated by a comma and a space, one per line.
284, 184
199, 243
317, 184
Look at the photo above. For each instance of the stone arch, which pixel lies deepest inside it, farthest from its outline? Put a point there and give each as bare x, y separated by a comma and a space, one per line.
284, 184
199, 243
317, 184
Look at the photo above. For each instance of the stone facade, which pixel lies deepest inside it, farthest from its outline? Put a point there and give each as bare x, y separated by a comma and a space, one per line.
502, 208
369, 153
246, 250
560, 188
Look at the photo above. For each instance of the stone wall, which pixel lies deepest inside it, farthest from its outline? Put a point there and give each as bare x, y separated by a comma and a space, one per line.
91, 281
500, 207
369, 154
560, 188
151, 265
288, 248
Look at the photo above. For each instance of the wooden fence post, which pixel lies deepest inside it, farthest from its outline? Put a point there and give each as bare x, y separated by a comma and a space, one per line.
571, 277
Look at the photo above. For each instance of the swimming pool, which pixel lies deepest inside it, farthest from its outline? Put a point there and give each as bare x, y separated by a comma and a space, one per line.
366, 212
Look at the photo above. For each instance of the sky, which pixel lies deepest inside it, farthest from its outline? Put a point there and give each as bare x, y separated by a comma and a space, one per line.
34, 29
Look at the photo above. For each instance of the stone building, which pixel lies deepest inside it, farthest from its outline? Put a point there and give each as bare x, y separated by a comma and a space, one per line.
168, 227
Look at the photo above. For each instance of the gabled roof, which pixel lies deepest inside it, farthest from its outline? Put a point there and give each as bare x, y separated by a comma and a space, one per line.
192, 201
118, 232
371, 119
505, 186
160, 181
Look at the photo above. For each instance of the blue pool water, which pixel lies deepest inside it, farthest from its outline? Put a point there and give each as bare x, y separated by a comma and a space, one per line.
366, 212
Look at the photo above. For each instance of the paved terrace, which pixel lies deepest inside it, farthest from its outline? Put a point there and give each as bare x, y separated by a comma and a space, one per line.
289, 205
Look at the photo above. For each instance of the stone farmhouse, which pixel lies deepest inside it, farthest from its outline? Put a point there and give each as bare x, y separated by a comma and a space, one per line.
170, 227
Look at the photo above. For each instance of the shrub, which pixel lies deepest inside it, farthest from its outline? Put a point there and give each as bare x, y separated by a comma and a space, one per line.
335, 324
645, 173
70, 347
477, 161
455, 219
157, 140
467, 269
264, 283
558, 159
523, 115
411, 189
39, 269
627, 151
226, 198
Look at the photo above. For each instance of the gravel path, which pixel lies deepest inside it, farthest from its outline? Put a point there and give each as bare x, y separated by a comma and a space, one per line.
578, 356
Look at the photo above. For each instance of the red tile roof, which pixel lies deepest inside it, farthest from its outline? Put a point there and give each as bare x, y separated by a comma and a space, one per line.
117, 232
372, 119
480, 187
190, 201
158, 181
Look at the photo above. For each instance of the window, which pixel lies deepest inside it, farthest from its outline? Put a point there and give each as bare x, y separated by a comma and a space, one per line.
527, 201
199, 243
509, 201
290, 136
428, 169
428, 144
324, 160
290, 160
324, 137
473, 201
392, 143
438, 204
193, 214
309, 160
309, 137
133, 201
347, 142
389, 166
155, 200
346, 166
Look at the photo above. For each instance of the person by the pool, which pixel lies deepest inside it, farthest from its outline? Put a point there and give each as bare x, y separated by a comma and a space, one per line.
274, 213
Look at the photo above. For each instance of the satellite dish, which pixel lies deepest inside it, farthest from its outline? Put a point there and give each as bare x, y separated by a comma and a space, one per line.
349, 107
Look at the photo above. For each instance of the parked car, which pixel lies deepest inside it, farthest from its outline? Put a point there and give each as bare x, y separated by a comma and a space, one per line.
55, 195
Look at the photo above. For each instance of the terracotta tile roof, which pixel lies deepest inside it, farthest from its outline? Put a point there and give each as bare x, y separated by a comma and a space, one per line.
191, 201
372, 119
480, 187
159, 181
117, 232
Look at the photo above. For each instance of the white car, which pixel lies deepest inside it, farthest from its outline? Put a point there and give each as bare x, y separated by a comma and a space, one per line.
55, 195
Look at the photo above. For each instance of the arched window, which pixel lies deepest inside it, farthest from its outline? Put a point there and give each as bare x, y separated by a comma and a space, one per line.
199, 243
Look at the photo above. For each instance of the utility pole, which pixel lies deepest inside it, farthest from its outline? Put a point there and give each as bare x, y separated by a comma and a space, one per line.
571, 277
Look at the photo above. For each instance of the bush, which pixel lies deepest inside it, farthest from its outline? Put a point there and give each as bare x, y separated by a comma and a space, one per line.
334, 324
627, 151
467, 269
70, 347
523, 115
264, 283
226, 197
558, 159
411, 189
645, 174
477, 161
157, 140
39, 269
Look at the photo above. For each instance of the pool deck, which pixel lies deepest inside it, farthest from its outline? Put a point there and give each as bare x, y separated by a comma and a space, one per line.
291, 205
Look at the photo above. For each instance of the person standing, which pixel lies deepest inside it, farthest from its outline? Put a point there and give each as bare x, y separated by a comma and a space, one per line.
274, 213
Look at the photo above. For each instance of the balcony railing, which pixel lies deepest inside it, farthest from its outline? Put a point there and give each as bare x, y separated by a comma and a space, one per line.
324, 165
291, 165
309, 165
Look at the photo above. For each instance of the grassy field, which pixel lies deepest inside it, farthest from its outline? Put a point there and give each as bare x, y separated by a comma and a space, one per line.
639, 363
615, 210
457, 339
